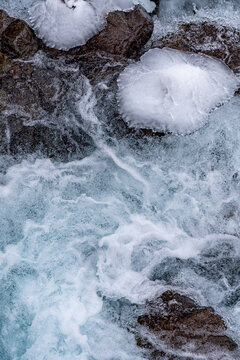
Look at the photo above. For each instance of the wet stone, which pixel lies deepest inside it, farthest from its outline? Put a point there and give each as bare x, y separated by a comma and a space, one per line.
4, 63
5, 20
216, 40
33, 100
124, 34
181, 324
173, 326
19, 137
18, 40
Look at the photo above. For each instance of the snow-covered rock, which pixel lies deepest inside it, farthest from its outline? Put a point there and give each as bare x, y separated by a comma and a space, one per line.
64, 24
173, 91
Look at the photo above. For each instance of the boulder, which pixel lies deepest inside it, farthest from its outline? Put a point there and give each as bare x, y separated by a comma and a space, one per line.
211, 39
175, 321
173, 326
123, 36
18, 40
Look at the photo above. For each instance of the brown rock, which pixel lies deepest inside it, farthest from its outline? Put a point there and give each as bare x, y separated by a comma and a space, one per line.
32, 107
181, 324
208, 38
4, 63
18, 40
125, 33
122, 38
5, 20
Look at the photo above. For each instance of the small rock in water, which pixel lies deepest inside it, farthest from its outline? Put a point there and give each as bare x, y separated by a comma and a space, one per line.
178, 322
173, 91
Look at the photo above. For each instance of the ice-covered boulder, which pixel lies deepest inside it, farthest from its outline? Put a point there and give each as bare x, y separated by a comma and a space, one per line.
64, 24
173, 91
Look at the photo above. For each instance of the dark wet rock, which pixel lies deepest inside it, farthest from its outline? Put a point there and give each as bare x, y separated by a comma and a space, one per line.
125, 33
4, 63
179, 323
211, 39
33, 103
30, 88
18, 40
173, 326
5, 20
19, 137
156, 10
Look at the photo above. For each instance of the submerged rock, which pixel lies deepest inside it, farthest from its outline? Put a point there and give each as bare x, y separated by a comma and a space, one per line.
60, 143
33, 118
178, 322
216, 40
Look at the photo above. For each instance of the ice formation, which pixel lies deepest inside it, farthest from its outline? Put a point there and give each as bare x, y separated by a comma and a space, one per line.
173, 91
64, 24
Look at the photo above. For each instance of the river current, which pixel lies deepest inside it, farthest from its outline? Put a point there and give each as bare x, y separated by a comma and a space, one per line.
129, 221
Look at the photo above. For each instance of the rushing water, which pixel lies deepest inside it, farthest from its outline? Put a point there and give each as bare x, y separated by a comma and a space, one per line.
133, 219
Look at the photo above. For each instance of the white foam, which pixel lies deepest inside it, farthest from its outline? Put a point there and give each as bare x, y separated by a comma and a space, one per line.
66, 24
173, 91
128, 255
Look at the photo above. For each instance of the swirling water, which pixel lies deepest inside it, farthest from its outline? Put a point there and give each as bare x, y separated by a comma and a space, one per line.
132, 219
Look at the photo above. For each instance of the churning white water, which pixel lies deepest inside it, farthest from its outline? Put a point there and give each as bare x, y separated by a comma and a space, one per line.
133, 219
